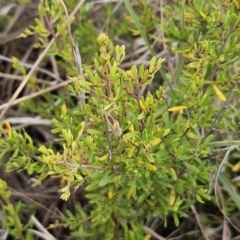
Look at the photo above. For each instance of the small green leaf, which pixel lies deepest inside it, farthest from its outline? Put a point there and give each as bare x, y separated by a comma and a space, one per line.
94, 132
176, 219
151, 159
199, 199
166, 132
106, 180
191, 167
152, 64
130, 135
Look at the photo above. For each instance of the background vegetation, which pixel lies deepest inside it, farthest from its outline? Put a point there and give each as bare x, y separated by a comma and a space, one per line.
119, 119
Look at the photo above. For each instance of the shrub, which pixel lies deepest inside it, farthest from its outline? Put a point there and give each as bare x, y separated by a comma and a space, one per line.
140, 156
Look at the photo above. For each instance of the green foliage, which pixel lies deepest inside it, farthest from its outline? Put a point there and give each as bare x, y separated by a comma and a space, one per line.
138, 156
10, 217
135, 159
210, 49
147, 19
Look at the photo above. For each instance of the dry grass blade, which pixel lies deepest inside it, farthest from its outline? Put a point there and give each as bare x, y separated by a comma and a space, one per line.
33, 95
154, 234
204, 232
27, 65
43, 232
29, 120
